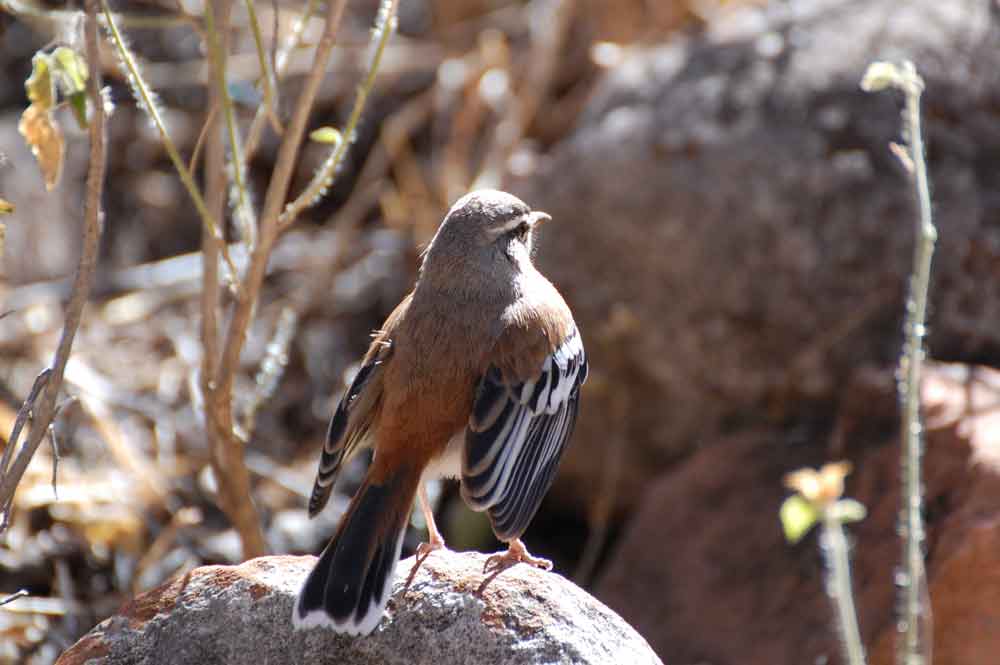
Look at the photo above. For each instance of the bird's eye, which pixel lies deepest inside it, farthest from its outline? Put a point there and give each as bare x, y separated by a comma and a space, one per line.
521, 230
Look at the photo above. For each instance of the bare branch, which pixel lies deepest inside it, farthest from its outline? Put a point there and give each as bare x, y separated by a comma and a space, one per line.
226, 452
243, 212
914, 625
268, 81
22, 417
55, 460
147, 101
273, 203
385, 26
46, 408
915, 645
281, 59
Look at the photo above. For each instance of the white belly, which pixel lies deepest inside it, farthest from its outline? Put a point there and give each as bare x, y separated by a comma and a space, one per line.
449, 463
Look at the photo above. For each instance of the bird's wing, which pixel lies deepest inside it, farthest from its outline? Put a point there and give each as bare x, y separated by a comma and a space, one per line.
519, 426
351, 426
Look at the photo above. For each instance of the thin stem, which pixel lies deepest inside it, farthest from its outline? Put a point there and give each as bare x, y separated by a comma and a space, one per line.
280, 64
243, 210
273, 201
272, 367
218, 381
23, 414
321, 181
911, 364
295, 39
226, 452
268, 81
46, 408
914, 646
149, 104
838, 586
22, 417
67, 16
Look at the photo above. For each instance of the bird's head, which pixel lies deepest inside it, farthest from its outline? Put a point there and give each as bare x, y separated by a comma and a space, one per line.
486, 231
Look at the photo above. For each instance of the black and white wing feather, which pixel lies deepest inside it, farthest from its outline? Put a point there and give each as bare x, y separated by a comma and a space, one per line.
349, 427
352, 423
516, 435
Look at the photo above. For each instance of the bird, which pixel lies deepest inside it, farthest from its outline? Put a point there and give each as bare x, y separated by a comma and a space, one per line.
475, 375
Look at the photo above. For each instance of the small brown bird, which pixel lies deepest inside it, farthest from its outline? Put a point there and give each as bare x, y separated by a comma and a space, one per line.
476, 374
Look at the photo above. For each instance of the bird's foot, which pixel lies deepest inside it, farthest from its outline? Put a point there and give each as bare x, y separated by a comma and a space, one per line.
424, 550
516, 553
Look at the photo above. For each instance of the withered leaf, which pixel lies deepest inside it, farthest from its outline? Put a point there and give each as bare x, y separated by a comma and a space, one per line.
46, 142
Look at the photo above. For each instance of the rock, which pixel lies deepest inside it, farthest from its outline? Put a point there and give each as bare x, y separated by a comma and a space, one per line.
734, 236
703, 571
241, 614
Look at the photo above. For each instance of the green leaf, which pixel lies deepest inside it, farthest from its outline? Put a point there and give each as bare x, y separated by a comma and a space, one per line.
326, 135
6, 207
71, 74
797, 517
40, 88
71, 69
78, 102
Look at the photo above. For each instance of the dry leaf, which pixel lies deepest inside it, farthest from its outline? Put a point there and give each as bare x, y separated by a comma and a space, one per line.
37, 124
821, 487
46, 142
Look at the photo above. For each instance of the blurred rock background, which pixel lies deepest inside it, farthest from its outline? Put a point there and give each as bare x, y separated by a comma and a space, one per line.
732, 233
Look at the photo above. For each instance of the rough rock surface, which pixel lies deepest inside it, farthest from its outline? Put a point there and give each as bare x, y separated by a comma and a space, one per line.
734, 235
242, 614
715, 582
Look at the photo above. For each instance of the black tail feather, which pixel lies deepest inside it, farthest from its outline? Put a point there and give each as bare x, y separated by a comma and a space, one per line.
350, 584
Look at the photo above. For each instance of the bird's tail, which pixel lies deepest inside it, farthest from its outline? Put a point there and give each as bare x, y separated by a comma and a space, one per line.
350, 585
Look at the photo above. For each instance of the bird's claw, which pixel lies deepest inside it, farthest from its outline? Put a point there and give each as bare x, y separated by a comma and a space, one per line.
423, 551
504, 560
516, 553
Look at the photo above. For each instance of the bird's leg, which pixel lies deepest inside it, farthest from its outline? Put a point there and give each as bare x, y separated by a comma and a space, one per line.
434, 539
516, 553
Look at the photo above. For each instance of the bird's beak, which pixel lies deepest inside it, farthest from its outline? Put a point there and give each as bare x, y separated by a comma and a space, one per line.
536, 218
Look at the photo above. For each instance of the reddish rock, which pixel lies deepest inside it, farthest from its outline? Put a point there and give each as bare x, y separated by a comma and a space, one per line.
703, 571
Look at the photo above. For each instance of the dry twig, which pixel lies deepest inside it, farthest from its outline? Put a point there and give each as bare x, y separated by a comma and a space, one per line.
46, 407
226, 452
22, 417
146, 99
218, 375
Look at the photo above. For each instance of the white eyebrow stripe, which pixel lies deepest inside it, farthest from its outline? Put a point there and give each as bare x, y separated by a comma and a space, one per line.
511, 225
